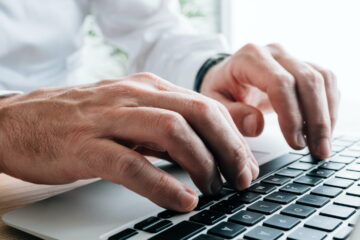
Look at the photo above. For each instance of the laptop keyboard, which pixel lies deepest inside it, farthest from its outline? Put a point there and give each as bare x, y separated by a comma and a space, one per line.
306, 200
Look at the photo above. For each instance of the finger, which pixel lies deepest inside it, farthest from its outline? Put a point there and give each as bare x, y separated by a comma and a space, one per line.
237, 114
253, 164
116, 163
332, 93
168, 132
248, 119
265, 73
207, 120
313, 100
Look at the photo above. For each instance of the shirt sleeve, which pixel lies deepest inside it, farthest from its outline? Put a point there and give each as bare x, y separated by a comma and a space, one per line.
157, 38
8, 93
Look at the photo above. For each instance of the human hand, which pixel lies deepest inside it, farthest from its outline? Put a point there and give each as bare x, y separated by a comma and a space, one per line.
60, 135
258, 79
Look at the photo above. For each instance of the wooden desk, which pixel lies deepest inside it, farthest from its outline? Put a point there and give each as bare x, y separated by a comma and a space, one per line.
15, 193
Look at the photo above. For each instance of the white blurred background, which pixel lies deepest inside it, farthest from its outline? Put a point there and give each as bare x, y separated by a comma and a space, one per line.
326, 32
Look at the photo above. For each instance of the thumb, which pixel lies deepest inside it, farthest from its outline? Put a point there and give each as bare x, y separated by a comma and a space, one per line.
248, 119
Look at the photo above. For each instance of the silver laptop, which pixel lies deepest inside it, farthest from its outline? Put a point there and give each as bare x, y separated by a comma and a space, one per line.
295, 197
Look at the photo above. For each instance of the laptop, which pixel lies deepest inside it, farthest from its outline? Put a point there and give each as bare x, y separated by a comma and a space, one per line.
296, 197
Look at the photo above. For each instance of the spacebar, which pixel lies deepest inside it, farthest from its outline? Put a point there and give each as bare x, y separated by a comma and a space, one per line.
181, 231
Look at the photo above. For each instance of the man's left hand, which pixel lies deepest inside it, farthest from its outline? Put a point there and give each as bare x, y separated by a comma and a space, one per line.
258, 79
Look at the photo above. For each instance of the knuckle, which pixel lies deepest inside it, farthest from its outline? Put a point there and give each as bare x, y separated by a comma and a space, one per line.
206, 168
333, 119
106, 81
239, 155
171, 123
330, 78
276, 46
251, 47
129, 165
163, 183
121, 88
201, 107
323, 129
313, 79
285, 81
145, 75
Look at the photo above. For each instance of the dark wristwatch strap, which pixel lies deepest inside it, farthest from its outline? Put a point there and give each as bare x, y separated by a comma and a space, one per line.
205, 68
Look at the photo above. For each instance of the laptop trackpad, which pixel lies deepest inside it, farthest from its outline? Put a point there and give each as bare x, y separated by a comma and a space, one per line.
90, 211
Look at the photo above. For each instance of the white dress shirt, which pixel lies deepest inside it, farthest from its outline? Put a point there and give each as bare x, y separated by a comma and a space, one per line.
40, 40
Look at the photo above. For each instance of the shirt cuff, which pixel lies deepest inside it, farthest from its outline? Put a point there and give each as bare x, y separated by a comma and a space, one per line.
8, 93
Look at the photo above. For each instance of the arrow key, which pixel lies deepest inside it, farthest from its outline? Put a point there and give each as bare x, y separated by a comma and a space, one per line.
227, 230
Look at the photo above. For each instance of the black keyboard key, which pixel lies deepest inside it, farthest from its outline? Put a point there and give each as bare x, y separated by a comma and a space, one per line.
147, 223
347, 200
313, 200
287, 172
123, 235
323, 223
282, 222
326, 191
181, 231
322, 173
295, 188
301, 166
223, 193
332, 166
245, 196
204, 202
263, 233
342, 159
207, 237
168, 214
246, 218
302, 152
227, 206
262, 188
338, 182
310, 159
207, 217
337, 211
306, 234
280, 197
157, 227
308, 180
298, 210
227, 230
354, 191
343, 233
349, 175
276, 180
264, 207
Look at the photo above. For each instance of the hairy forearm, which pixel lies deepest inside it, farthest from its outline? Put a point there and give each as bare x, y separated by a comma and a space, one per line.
4, 101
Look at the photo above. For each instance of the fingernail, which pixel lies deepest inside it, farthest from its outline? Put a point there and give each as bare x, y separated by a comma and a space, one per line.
216, 186
324, 148
188, 200
301, 140
250, 124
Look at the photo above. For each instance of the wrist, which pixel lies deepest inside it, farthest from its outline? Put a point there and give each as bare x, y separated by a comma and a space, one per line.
206, 67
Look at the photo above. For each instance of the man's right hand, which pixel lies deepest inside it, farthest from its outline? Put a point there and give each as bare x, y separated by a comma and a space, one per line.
57, 136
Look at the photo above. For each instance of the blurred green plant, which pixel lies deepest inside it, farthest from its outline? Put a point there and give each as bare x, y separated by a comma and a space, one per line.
190, 8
